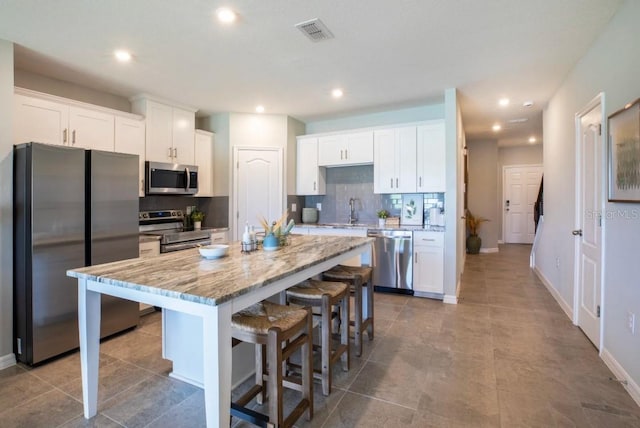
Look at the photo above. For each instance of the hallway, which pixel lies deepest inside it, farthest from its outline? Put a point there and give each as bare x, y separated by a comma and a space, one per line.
505, 356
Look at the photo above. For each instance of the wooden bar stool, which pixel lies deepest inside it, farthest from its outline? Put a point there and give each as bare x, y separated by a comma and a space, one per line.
358, 277
325, 295
277, 331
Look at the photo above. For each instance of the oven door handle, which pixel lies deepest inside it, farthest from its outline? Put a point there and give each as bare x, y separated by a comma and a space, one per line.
186, 171
183, 245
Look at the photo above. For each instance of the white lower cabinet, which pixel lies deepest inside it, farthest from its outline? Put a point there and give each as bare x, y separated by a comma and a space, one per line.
220, 237
428, 263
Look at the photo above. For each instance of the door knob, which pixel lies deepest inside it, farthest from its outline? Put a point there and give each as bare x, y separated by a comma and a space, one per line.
577, 232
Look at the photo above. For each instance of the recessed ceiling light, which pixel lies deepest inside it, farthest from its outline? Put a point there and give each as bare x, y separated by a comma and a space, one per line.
527, 103
225, 15
503, 102
496, 127
260, 109
122, 55
532, 140
337, 93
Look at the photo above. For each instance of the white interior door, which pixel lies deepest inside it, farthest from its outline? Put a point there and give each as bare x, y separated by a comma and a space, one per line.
258, 187
521, 184
588, 216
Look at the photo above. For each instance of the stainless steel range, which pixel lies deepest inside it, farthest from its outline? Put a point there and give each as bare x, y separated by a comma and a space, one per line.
168, 224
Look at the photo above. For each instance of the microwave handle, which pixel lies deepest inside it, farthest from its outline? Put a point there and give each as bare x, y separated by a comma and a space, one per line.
186, 171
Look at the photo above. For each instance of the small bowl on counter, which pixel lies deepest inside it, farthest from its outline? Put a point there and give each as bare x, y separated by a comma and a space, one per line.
213, 251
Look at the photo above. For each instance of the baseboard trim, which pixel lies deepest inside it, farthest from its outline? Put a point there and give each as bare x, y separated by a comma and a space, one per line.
620, 373
489, 250
7, 361
452, 300
565, 307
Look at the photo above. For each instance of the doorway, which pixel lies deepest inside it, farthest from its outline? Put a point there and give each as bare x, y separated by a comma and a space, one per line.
258, 187
520, 191
590, 158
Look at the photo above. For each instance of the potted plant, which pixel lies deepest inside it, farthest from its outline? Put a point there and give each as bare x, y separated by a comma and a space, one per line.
197, 216
473, 240
382, 216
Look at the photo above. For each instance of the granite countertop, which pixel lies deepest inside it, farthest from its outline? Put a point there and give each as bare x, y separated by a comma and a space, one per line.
187, 276
372, 226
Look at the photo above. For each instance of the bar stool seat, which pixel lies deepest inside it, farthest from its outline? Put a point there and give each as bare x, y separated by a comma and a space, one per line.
358, 277
277, 331
325, 295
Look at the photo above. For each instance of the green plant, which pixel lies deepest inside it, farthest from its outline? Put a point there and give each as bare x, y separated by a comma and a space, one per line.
383, 214
197, 215
473, 223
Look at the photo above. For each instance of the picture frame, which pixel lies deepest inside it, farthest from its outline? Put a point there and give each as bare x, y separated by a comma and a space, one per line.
624, 154
412, 209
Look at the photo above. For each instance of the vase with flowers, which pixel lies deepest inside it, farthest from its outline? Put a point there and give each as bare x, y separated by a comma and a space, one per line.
474, 242
382, 217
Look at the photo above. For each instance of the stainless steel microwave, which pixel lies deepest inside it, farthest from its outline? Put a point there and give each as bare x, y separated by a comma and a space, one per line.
170, 179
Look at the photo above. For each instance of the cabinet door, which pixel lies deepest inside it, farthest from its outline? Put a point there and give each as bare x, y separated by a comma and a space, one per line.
129, 138
384, 163
204, 161
149, 249
428, 269
310, 180
358, 148
431, 158
91, 129
183, 136
159, 134
331, 150
405, 141
40, 121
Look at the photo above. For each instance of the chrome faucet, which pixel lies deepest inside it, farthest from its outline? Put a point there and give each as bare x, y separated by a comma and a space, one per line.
353, 218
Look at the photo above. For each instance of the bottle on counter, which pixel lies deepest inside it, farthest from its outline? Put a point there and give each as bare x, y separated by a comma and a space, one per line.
188, 224
246, 236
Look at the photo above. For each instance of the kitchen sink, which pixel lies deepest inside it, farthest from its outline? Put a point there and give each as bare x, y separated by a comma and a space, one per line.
346, 224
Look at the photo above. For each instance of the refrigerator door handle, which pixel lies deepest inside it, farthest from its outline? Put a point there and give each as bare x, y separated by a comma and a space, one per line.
186, 171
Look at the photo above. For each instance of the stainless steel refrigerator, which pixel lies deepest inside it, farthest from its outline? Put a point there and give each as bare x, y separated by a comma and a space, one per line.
72, 208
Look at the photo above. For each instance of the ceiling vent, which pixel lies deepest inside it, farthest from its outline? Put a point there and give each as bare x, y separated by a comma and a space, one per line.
315, 30
520, 120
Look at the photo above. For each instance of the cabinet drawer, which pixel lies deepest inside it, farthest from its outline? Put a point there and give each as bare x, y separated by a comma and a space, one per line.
219, 238
428, 239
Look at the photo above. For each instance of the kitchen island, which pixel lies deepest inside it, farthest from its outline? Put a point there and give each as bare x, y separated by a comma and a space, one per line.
211, 290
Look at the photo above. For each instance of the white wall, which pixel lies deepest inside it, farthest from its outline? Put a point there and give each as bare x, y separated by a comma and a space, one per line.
611, 65
391, 117
483, 189
6, 204
519, 155
48, 85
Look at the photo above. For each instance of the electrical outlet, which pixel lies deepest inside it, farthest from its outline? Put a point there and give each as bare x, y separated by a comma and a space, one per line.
557, 262
319, 206
294, 207
631, 322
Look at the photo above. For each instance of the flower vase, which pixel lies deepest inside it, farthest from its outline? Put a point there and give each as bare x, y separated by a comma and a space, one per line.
381, 222
197, 225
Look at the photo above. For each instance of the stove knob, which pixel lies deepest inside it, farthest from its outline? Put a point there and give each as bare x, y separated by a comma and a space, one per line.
179, 213
145, 215
173, 213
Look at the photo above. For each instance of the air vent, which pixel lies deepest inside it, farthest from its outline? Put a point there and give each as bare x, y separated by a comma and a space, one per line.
315, 30
521, 120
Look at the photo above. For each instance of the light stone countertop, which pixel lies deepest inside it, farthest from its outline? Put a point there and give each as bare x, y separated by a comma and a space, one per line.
371, 226
186, 275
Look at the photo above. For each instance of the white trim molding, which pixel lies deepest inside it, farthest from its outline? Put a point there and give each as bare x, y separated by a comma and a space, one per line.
7, 361
449, 299
563, 305
620, 373
489, 250
500, 242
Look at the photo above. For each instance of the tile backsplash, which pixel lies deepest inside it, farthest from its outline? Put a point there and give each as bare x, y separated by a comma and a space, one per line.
356, 182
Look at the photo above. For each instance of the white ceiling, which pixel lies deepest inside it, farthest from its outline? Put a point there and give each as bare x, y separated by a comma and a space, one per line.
386, 53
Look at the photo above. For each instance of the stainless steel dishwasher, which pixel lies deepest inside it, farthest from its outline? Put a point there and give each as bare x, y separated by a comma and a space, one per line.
392, 253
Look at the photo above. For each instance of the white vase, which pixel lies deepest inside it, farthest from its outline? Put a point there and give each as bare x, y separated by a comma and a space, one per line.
197, 225
381, 222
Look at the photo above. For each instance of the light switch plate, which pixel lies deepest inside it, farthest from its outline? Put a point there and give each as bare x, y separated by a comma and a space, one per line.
294, 207
319, 206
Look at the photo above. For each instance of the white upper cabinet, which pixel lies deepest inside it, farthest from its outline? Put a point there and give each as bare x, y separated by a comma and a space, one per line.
310, 178
91, 129
51, 121
394, 166
170, 131
129, 138
346, 149
431, 164
39, 120
204, 162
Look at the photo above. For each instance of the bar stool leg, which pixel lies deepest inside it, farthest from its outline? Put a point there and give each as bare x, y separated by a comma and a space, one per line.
369, 306
357, 291
344, 306
275, 376
261, 366
326, 344
307, 370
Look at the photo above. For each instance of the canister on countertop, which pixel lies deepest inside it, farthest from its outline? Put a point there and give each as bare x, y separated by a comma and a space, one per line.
309, 215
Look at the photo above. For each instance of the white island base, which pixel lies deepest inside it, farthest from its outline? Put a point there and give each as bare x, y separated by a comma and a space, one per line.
182, 344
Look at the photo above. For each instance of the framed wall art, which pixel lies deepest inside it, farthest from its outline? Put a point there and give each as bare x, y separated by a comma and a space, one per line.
412, 207
624, 154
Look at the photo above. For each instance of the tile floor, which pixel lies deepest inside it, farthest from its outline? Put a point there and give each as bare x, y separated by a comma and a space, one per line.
506, 356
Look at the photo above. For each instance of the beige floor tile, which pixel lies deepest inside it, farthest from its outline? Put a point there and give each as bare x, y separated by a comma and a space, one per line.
50, 409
